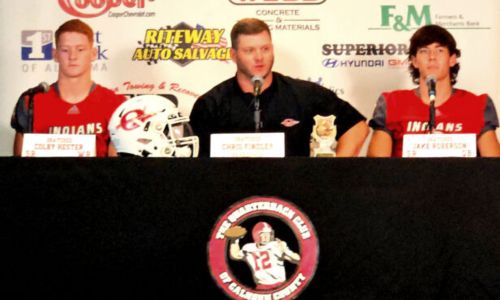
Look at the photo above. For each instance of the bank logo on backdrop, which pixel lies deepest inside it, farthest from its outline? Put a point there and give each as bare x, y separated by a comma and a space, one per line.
263, 248
404, 18
36, 44
36, 51
93, 8
182, 44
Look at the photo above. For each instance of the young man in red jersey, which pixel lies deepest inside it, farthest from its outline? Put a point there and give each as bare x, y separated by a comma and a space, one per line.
74, 104
433, 53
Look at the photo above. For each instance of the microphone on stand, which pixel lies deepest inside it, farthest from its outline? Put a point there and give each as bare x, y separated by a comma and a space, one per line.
430, 80
257, 85
43, 87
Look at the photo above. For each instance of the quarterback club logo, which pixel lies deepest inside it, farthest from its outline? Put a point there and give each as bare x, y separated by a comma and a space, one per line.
263, 248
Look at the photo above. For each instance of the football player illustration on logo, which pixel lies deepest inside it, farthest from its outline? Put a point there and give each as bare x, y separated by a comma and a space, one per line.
265, 256
258, 265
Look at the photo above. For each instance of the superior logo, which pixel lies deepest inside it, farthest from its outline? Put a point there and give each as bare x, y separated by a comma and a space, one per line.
263, 248
276, 2
95, 8
364, 49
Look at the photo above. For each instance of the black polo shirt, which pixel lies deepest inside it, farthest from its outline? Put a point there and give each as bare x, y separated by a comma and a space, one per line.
227, 109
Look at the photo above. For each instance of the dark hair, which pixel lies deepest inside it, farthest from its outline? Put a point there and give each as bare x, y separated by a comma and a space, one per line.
427, 35
247, 26
75, 25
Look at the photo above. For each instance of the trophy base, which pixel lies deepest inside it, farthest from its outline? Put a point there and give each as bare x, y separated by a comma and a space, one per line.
325, 155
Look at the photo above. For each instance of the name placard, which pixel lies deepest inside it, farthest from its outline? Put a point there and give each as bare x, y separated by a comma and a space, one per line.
58, 145
439, 145
269, 144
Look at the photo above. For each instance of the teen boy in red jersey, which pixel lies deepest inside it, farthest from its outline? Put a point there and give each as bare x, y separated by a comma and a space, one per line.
433, 52
74, 104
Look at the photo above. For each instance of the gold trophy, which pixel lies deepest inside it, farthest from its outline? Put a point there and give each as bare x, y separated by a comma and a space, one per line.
323, 143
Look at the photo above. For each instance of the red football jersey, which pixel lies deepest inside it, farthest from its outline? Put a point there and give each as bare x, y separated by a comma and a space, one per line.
51, 114
403, 112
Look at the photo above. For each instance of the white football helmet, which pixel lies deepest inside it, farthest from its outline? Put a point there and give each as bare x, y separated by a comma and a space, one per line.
152, 126
258, 229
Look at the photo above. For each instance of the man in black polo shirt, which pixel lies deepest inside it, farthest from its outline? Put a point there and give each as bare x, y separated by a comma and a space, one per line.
287, 105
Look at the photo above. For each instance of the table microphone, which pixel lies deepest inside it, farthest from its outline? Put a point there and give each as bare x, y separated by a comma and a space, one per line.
257, 85
43, 87
430, 80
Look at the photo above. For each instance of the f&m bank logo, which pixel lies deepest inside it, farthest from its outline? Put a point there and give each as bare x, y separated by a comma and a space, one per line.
407, 18
403, 18
182, 44
275, 2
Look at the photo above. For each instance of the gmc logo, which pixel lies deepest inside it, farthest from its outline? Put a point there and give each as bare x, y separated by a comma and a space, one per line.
276, 2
